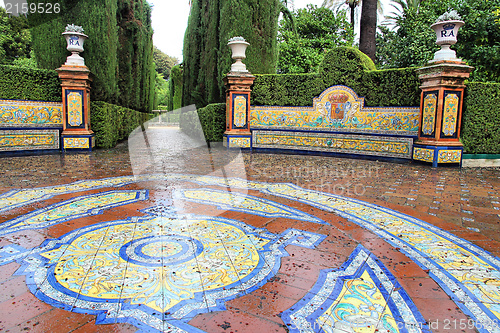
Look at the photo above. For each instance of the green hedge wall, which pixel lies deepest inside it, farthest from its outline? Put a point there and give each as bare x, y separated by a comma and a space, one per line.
29, 84
481, 118
112, 123
212, 119
341, 66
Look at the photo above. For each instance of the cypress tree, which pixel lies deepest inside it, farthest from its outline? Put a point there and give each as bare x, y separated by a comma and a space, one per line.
118, 52
207, 58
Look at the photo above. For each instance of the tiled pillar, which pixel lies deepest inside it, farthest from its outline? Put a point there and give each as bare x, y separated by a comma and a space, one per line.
238, 89
76, 135
441, 112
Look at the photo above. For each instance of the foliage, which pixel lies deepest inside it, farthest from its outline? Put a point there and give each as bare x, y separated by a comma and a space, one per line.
74, 28
353, 5
100, 55
136, 71
163, 62
112, 123
175, 88
338, 4
26, 62
170, 117
341, 66
190, 125
400, 7
414, 43
119, 49
344, 64
451, 15
211, 119
162, 88
286, 89
15, 38
207, 58
316, 30
481, 119
29, 84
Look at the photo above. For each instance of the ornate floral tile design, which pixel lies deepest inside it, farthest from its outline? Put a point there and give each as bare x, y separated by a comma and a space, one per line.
245, 203
156, 271
71, 209
361, 296
18, 198
113, 269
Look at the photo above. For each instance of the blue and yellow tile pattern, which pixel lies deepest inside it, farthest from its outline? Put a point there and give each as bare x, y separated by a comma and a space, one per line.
158, 271
362, 296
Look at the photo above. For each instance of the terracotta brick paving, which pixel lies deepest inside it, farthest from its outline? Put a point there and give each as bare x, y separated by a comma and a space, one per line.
464, 202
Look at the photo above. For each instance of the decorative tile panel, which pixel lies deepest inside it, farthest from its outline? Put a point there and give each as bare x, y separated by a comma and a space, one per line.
239, 142
76, 143
429, 114
240, 111
338, 143
13, 140
423, 154
337, 109
449, 156
470, 275
74, 101
17, 114
450, 113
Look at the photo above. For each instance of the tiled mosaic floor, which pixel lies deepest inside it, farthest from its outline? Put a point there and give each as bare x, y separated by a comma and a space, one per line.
300, 244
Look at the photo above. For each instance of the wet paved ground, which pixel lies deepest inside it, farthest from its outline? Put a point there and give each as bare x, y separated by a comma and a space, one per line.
206, 240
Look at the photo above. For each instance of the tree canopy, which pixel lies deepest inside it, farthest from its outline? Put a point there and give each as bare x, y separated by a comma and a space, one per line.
317, 29
412, 41
163, 62
15, 38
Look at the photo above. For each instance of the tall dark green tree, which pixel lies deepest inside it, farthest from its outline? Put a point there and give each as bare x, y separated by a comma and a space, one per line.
175, 88
119, 51
207, 58
136, 71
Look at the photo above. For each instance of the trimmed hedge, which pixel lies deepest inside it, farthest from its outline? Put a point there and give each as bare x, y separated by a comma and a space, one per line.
481, 118
211, 119
112, 123
341, 66
286, 89
29, 84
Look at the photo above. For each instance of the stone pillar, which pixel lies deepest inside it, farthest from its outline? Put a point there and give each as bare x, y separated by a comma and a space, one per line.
441, 112
76, 134
238, 89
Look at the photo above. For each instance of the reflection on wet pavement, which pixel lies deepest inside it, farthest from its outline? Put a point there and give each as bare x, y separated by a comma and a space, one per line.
152, 237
